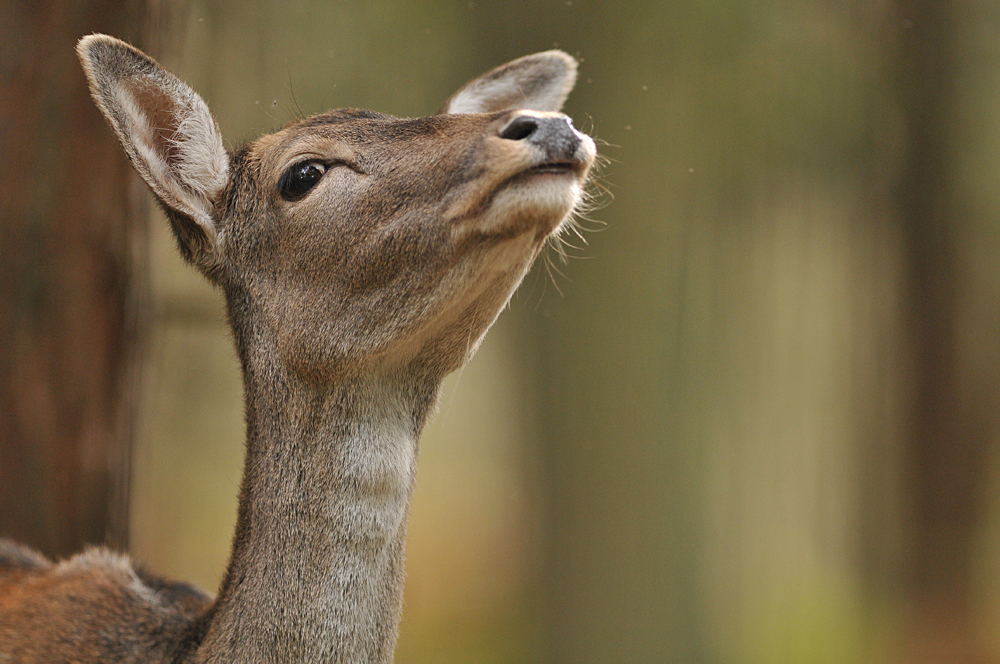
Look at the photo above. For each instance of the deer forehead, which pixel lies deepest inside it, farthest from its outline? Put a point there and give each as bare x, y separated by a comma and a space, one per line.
357, 133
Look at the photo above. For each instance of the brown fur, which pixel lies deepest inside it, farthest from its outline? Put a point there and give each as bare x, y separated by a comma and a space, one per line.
349, 305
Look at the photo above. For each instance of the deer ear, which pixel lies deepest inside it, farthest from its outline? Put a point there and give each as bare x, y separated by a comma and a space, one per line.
539, 82
168, 133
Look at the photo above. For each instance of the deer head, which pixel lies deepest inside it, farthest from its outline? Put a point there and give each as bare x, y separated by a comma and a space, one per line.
353, 239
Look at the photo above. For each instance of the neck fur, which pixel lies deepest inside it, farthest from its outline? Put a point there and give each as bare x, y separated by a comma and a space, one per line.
316, 573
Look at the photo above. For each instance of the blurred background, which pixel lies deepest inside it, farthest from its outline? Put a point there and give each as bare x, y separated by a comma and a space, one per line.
751, 419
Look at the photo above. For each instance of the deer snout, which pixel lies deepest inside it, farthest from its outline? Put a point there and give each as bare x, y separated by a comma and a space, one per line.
554, 133
531, 175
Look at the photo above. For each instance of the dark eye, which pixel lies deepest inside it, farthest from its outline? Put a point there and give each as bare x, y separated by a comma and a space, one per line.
300, 178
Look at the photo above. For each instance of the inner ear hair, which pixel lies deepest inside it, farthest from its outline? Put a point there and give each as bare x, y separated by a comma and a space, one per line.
167, 131
539, 82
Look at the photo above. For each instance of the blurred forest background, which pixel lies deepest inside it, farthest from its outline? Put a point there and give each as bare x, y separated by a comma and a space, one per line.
753, 420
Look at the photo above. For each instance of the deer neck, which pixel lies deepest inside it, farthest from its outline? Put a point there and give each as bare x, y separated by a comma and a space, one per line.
316, 573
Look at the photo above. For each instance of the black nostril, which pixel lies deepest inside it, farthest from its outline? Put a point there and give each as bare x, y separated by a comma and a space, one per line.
519, 128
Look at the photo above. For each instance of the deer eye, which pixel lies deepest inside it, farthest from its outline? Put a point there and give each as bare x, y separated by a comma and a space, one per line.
300, 178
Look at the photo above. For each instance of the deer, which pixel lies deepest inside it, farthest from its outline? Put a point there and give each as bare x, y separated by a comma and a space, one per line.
362, 258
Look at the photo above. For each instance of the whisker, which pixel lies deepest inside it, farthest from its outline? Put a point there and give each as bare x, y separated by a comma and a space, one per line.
549, 267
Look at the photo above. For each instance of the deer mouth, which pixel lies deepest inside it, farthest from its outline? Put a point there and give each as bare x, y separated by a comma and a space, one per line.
555, 168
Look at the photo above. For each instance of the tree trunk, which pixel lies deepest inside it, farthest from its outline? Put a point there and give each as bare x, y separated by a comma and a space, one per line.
71, 282
952, 410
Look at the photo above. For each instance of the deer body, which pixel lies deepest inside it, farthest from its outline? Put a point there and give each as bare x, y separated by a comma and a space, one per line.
362, 258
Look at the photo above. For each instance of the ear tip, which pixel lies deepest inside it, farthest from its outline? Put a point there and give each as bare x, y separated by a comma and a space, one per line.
559, 65
86, 44
560, 55
555, 60
91, 48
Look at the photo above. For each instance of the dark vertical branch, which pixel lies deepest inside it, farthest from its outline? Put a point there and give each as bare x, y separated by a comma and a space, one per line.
72, 275
947, 443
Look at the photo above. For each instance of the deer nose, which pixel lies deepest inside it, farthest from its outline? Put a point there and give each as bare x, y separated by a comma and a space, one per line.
555, 134
520, 128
